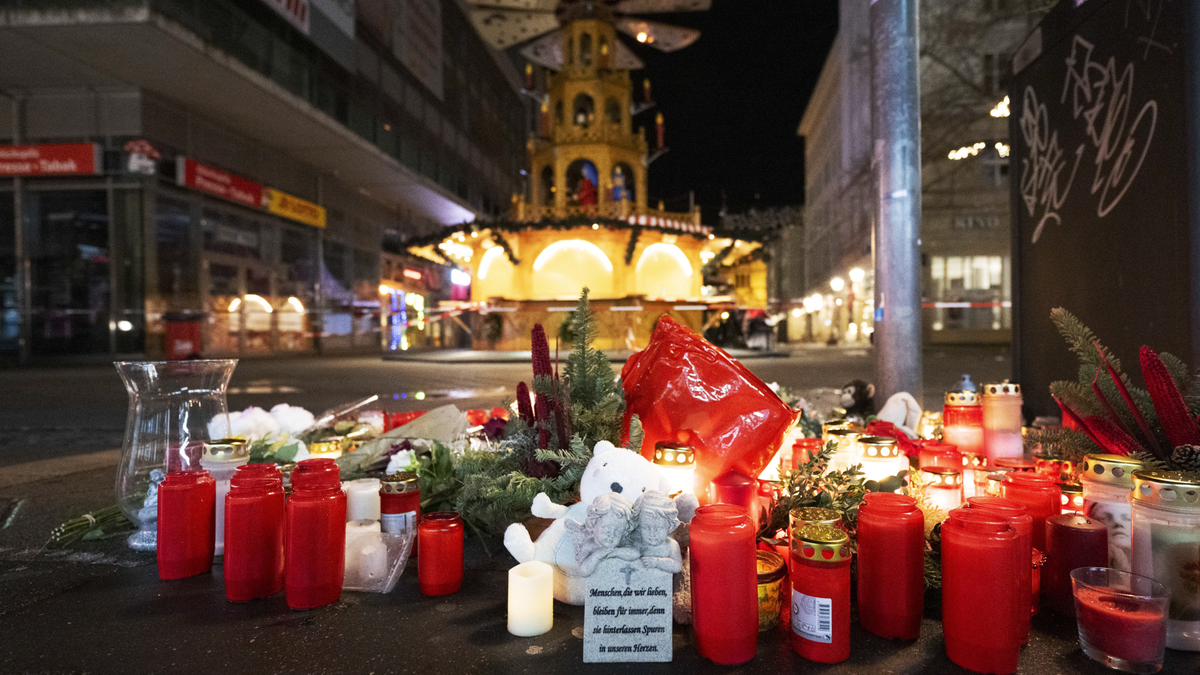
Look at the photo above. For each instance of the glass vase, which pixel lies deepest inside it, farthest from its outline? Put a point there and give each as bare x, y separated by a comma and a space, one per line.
174, 407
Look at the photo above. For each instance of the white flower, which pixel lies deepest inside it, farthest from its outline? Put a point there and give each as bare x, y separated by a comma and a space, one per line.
401, 461
774, 386
291, 420
302, 453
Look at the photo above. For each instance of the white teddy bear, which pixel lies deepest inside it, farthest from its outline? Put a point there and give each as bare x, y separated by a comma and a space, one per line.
611, 469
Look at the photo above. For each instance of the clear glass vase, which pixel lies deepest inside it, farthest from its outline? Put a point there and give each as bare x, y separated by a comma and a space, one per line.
174, 407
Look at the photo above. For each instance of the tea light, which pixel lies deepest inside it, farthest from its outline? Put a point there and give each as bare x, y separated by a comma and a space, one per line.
366, 554
676, 464
530, 599
943, 487
362, 499
845, 446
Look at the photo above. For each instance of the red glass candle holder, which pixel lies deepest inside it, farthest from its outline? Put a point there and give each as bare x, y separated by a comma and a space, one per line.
734, 488
400, 504
1021, 523
1072, 541
891, 565
804, 449
440, 567
981, 596
962, 422
724, 571
821, 593
186, 524
1014, 464
1122, 618
1041, 498
939, 455
315, 558
255, 513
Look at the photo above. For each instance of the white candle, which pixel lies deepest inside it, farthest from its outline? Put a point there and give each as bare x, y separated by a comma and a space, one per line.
366, 554
530, 599
362, 499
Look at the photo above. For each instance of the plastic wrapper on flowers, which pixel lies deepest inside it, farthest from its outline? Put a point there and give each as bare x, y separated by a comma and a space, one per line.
684, 389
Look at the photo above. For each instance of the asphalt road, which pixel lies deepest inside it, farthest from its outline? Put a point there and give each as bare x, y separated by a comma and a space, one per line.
55, 412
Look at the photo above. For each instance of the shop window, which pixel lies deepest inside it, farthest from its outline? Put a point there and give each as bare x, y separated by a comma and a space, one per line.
230, 233
583, 110
612, 110
178, 277
970, 292
9, 314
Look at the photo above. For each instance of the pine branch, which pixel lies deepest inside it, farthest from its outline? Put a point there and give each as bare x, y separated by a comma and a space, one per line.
1080, 339
1061, 443
1177, 369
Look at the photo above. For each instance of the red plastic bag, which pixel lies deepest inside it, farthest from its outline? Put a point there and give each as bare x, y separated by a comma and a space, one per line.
684, 389
402, 418
881, 428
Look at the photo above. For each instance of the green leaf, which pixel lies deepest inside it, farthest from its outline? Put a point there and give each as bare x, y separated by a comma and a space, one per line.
287, 453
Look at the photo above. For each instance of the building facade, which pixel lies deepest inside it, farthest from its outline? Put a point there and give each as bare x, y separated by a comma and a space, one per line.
966, 48
221, 178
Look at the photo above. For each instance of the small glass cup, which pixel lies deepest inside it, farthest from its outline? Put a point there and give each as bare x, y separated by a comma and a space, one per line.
1122, 618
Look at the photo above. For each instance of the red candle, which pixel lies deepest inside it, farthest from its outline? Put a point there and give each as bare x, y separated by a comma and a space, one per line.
1021, 523
1016, 464
1130, 628
1041, 498
440, 567
658, 127
981, 596
400, 504
724, 569
315, 535
803, 450
939, 455
821, 593
1072, 541
254, 525
732, 487
962, 422
891, 565
186, 524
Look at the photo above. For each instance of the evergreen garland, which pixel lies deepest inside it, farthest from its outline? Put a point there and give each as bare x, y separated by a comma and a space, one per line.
634, 235
503, 243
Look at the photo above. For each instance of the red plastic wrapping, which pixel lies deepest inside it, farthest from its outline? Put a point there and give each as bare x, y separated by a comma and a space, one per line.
910, 447
683, 389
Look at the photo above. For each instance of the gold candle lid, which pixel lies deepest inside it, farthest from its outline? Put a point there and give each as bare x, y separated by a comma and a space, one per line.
1109, 469
836, 423
962, 398
398, 483
329, 446
1004, 388
1166, 489
813, 515
879, 447
227, 450
674, 454
973, 460
842, 437
941, 477
821, 542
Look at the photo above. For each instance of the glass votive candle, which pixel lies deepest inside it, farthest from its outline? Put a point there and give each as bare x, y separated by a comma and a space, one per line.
943, 487
804, 449
994, 481
1072, 498
974, 474
1014, 464
944, 455
845, 451
880, 457
676, 464
1002, 420
771, 571
1122, 618
440, 567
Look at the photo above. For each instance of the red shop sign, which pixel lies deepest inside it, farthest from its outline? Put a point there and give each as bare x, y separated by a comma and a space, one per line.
50, 160
193, 174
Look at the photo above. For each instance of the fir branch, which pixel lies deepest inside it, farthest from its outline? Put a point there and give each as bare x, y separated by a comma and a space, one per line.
1177, 369
1080, 398
1060, 443
634, 235
1080, 339
1151, 462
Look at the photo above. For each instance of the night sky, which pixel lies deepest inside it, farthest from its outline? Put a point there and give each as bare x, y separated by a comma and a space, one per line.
732, 102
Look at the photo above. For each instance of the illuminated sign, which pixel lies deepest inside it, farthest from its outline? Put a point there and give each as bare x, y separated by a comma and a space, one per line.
57, 159
283, 204
460, 278
193, 174
412, 274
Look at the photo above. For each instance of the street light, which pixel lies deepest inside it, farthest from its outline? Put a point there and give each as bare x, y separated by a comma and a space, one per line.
837, 284
857, 275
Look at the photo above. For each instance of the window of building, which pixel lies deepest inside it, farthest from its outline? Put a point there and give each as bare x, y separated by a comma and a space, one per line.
612, 110
583, 111
970, 292
997, 71
585, 50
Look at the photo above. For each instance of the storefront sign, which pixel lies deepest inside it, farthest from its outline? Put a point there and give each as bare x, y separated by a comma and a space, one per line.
193, 174
50, 160
283, 204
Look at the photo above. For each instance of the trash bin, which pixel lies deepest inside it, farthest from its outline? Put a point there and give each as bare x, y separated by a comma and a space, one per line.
183, 335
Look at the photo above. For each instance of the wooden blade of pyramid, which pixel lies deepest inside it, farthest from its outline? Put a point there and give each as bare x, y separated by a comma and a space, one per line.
662, 6
526, 5
547, 50
506, 27
625, 59
661, 36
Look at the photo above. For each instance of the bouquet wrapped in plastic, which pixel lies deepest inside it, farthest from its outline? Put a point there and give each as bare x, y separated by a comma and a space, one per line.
684, 389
